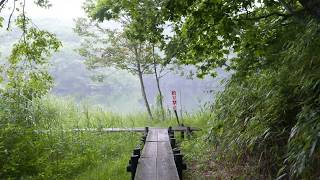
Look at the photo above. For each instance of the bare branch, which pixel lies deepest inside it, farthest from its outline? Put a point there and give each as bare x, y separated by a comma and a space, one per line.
2, 4
14, 8
269, 15
24, 21
164, 74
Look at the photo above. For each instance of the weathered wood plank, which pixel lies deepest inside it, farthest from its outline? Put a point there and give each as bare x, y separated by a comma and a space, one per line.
163, 135
146, 169
157, 161
152, 135
165, 162
149, 150
106, 130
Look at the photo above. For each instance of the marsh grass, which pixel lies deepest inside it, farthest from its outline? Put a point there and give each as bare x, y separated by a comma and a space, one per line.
48, 150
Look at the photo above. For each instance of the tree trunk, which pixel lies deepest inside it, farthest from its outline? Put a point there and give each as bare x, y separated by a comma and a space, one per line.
143, 92
312, 7
158, 84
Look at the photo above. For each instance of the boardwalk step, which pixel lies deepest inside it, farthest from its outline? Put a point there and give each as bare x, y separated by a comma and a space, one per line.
157, 160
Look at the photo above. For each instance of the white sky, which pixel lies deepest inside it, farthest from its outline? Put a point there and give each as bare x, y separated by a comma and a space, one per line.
61, 9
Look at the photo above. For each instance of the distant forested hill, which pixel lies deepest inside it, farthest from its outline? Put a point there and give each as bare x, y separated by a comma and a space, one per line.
119, 91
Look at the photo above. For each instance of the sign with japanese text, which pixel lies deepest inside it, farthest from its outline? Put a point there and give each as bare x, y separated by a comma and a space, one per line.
174, 100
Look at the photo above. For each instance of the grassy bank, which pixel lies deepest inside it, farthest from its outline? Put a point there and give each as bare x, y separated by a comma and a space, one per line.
28, 153
54, 153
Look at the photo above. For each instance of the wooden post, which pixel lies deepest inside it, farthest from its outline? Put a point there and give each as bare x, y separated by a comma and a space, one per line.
171, 135
144, 138
188, 132
176, 151
173, 142
177, 118
169, 130
182, 132
179, 164
132, 167
137, 151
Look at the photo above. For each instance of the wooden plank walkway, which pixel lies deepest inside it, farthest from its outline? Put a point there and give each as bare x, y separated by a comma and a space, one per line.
106, 130
137, 129
157, 160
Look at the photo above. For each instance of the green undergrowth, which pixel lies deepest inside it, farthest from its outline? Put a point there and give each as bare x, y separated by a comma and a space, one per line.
49, 149
46, 150
84, 116
205, 158
59, 155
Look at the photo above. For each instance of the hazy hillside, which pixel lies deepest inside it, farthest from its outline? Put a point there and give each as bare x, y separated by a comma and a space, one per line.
119, 91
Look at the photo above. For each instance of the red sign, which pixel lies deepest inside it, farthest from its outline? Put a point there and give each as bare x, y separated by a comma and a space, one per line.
174, 100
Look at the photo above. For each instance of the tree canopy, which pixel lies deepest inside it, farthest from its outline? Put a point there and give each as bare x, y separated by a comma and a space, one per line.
256, 31
142, 23
272, 98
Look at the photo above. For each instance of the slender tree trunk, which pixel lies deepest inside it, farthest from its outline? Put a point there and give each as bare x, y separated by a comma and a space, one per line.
143, 91
158, 84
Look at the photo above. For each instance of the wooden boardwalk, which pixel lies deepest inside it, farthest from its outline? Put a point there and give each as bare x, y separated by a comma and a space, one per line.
157, 160
137, 129
107, 130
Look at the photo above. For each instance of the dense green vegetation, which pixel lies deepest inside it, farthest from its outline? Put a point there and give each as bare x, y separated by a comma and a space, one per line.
269, 110
48, 150
35, 137
34, 142
265, 124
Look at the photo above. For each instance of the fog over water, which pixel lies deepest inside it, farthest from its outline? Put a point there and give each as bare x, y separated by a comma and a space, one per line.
119, 91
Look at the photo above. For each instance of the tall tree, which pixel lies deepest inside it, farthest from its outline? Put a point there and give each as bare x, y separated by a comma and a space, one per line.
106, 48
150, 12
157, 75
143, 18
156, 38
